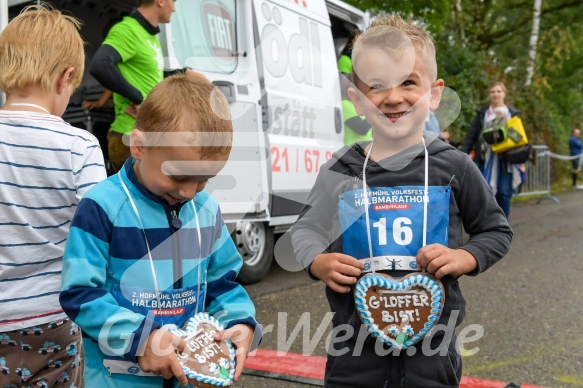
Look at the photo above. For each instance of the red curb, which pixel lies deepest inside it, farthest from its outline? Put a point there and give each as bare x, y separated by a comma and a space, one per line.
474, 382
312, 367
287, 363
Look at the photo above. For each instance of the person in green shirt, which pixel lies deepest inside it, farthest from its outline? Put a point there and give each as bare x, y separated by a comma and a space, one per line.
356, 128
345, 64
130, 63
345, 59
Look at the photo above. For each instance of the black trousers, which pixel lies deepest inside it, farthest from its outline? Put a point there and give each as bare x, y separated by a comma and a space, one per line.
439, 365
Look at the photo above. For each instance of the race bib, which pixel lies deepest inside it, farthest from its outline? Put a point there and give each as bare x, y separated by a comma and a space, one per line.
396, 224
173, 306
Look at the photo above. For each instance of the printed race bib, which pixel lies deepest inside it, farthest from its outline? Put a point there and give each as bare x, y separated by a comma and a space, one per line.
173, 306
396, 224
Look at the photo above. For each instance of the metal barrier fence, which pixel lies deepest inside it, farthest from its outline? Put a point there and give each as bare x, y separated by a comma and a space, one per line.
538, 174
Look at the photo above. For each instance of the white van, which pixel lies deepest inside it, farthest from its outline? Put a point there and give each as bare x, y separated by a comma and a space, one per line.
276, 62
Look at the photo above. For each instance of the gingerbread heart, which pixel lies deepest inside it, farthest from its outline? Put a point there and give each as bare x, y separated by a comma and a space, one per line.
399, 311
207, 363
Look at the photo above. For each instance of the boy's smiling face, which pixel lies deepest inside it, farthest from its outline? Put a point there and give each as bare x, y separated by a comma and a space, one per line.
174, 173
395, 94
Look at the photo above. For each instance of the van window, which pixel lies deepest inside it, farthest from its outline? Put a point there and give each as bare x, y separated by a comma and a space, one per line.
204, 35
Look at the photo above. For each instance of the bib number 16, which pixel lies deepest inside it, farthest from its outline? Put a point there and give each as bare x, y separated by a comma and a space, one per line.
402, 233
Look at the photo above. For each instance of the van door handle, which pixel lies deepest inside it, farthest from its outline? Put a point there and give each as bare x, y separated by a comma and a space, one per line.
228, 90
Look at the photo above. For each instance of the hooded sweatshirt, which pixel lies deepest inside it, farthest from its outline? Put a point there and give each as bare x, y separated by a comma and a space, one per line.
458, 198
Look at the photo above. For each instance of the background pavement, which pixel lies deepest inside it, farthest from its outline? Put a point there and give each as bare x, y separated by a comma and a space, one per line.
529, 304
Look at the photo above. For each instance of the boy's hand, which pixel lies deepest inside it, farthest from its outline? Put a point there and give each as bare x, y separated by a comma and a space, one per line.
337, 270
241, 335
440, 260
160, 358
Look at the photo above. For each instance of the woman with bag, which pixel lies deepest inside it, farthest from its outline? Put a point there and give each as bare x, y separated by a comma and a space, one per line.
500, 175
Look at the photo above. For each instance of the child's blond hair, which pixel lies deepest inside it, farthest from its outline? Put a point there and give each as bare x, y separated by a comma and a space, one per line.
393, 34
37, 47
188, 103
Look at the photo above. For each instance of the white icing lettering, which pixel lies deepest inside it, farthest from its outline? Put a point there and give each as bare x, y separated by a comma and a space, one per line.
403, 316
398, 301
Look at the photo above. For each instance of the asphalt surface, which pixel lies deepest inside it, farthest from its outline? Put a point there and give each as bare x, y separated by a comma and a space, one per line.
529, 304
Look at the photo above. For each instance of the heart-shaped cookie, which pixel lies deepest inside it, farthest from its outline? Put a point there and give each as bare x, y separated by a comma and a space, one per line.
207, 363
399, 311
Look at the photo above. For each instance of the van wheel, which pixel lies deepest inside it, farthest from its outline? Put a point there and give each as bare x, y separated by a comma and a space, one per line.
254, 240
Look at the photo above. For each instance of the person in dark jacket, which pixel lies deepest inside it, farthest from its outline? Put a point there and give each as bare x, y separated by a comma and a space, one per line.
499, 174
396, 205
575, 148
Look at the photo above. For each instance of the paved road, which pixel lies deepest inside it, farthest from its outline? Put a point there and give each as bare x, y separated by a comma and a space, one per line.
529, 304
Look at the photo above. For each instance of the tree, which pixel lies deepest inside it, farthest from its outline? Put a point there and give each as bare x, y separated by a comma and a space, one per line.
533, 41
433, 12
478, 42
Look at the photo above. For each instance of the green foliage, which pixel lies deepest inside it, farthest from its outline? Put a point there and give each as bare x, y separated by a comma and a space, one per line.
461, 68
479, 42
433, 12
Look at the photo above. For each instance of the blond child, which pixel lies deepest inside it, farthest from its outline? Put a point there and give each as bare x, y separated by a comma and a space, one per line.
397, 205
151, 232
46, 166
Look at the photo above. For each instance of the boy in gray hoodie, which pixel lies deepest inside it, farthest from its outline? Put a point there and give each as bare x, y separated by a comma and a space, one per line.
419, 194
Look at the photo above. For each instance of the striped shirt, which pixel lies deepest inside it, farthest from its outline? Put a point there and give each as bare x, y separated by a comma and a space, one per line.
107, 270
46, 166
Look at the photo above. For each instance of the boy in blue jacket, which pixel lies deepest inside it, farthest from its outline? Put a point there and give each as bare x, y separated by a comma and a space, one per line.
148, 247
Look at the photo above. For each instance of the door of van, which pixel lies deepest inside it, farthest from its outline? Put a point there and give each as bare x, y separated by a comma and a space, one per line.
215, 37
301, 101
